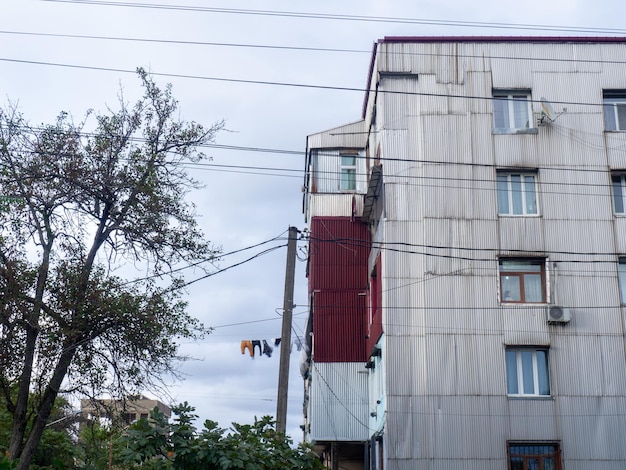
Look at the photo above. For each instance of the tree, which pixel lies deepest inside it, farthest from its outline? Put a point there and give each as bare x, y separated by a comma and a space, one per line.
82, 205
57, 448
160, 445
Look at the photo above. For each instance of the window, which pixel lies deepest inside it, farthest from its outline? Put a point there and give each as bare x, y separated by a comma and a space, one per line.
527, 372
615, 110
618, 186
621, 277
534, 456
348, 173
517, 193
512, 110
129, 418
522, 280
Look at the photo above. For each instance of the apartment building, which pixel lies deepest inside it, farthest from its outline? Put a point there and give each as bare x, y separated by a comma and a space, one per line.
467, 259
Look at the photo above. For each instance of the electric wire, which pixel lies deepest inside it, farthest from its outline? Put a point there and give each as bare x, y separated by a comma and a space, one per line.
284, 84
309, 49
342, 17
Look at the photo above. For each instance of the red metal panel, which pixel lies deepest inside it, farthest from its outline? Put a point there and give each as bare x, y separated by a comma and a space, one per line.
339, 326
374, 297
338, 251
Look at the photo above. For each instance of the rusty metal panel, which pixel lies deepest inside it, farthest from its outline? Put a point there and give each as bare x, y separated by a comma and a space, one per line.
339, 402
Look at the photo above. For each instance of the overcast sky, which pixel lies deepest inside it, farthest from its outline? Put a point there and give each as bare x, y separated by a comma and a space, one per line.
240, 64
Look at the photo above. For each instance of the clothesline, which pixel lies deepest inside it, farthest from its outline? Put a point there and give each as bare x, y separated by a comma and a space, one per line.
266, 347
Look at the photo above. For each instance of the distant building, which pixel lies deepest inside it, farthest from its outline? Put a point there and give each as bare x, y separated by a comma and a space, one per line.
124, 411
467, 259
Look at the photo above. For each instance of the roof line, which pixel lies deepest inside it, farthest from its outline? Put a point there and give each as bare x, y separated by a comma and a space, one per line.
547, 39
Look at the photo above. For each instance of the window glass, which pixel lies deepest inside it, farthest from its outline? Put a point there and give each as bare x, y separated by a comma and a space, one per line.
520, 111
501, 113
348, 173
533, 287
615, 110
503, 194
511, 289
618, 193
529, 193
511, 372
527, 372
621, 277
542, 372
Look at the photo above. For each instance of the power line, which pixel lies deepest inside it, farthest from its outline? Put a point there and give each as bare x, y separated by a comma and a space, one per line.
307, 49
404, 247
341, 17
285, 84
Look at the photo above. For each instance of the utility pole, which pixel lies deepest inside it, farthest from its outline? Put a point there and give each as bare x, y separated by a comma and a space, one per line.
285, 341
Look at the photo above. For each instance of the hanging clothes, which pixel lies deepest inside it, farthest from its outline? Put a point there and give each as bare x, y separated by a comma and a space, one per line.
256, 343
267, 349
247, 344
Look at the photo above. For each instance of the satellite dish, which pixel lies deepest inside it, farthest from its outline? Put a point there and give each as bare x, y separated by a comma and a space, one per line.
547, 111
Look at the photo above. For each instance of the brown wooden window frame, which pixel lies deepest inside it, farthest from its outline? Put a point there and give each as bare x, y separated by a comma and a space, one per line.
522, 275
533, 453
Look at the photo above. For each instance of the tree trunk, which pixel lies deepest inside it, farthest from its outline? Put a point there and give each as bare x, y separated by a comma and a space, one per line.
46, 405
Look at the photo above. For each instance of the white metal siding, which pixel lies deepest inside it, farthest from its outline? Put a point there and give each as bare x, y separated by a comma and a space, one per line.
339, 402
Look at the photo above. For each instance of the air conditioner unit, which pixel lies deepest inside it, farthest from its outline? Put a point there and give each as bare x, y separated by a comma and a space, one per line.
557, 314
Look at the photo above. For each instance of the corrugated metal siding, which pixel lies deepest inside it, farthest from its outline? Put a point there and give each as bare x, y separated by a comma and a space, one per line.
338, 251
339, 326
336, 205
351, 135
326, 172
445, 332
338, 277
339, 402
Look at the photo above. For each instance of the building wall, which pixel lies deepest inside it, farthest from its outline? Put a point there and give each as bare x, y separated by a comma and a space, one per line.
445, 328
339, 402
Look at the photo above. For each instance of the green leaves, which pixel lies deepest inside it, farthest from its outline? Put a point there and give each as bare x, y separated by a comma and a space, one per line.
87, 201
157, 444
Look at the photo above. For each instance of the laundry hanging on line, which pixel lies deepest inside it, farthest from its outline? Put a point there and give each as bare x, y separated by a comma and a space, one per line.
250, 345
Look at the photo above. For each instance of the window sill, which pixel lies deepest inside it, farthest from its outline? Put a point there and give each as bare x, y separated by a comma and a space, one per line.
530, 397
530, 216
525, 130
512, 303
615, 131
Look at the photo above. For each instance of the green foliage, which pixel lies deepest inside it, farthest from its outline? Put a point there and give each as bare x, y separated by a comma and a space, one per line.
57, 447
83, 204
160, 445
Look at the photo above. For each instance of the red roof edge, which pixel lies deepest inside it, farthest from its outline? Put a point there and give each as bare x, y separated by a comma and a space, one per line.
553, 39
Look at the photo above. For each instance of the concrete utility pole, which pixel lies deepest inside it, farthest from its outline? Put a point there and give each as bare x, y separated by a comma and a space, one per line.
285, 341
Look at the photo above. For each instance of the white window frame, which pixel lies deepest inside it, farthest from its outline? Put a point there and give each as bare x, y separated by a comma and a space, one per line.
523, 193
519, 370
511, 98
612, 102
618, 199
347, 170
